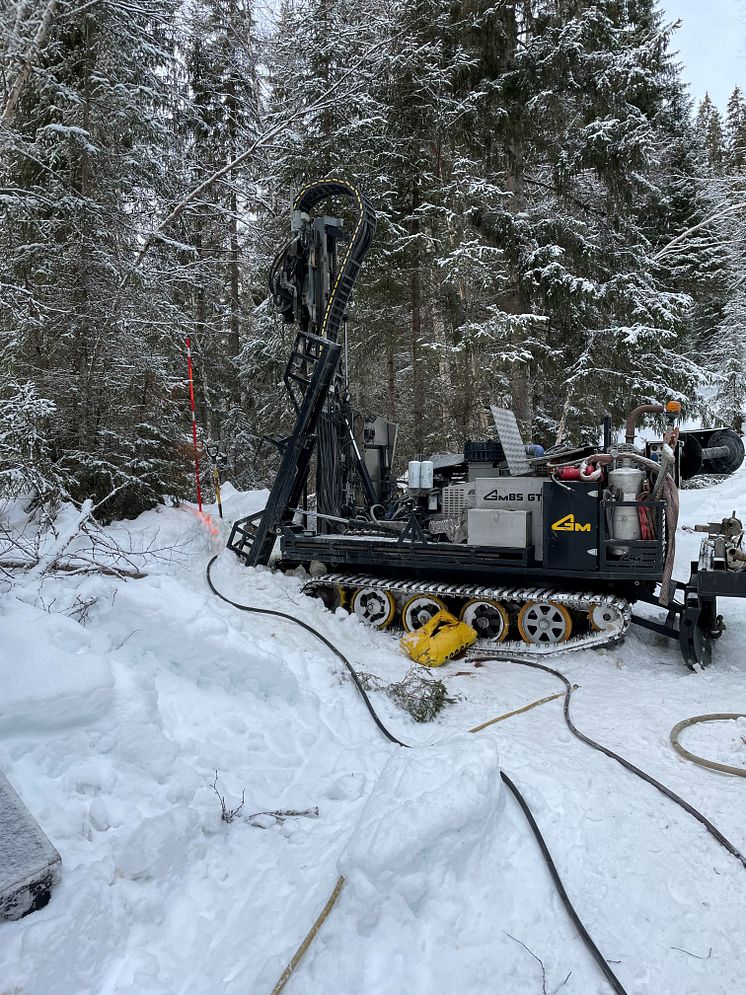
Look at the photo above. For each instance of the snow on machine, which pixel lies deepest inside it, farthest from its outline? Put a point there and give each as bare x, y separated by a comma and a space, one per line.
536, 551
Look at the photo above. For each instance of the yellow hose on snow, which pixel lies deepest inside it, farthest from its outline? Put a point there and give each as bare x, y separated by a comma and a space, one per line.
702, 761
286, 974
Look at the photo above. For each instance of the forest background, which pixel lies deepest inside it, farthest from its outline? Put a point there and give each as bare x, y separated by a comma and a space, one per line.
560, 230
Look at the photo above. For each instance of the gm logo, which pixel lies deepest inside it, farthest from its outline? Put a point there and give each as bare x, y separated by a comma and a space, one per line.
494, 495
568, 524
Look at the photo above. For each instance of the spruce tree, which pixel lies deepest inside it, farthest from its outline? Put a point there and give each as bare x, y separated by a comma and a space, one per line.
82, 163
735, 132
224, 117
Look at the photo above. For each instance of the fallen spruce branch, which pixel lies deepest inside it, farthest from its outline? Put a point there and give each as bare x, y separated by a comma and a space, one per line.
280, 815
417, 693
74, 568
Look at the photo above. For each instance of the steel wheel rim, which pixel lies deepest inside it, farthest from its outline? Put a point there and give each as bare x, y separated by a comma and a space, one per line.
544, 623
375, 608
419, 610
489, 619
604, 618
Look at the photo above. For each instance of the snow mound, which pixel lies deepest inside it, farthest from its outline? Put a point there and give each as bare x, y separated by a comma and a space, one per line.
155, 848
434, 805
49, 676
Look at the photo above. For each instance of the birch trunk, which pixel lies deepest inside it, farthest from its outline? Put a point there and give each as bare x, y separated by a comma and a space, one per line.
25, 71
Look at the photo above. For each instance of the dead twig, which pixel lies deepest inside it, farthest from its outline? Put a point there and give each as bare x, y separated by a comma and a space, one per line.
698, 956
540, 962
227, 814
280, 815
80, 609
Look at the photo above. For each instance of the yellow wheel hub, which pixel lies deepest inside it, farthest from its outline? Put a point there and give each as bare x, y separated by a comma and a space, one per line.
544, 623
375, 608
489, 619
419, 610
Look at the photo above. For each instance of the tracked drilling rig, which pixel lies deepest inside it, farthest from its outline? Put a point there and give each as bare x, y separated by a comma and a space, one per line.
537, 551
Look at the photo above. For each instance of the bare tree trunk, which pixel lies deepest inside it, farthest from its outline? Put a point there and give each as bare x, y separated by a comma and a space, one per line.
522, 394
445, 376
418, 393
517, 302
83, 361
207, 414
562, 427
25, 71
391, 379
520, 371
234, 336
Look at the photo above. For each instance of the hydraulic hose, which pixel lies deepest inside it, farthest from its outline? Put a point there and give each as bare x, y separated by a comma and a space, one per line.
681, 802
314, 632
576, 921
703, 761
570, 909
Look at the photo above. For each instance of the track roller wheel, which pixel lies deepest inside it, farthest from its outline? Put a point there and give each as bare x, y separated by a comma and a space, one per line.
544, 623
605, 618
375, 608
419, 610
331, 597
489, 619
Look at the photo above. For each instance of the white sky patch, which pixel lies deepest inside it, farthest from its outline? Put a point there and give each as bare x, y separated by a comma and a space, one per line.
711, 44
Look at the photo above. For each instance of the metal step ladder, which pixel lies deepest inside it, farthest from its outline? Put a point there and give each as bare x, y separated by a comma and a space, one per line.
309, 377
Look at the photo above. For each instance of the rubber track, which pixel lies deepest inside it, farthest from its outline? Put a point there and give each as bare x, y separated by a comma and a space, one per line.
575, 601
570, 909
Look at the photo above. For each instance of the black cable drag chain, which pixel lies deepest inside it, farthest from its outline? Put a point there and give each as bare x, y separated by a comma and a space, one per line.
360, 241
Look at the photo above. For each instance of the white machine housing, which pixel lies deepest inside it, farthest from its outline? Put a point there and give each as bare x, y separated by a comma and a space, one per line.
514, 494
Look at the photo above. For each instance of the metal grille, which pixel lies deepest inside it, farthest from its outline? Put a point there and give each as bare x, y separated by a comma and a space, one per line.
455, 498
510, 439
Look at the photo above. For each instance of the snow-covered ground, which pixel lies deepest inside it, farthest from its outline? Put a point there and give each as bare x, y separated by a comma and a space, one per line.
112, 732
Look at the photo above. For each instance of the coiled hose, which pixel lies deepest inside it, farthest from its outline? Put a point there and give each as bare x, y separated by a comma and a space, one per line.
703, 761
681, 802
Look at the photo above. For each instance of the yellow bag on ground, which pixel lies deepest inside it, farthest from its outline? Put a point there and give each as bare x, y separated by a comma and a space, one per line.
438, 641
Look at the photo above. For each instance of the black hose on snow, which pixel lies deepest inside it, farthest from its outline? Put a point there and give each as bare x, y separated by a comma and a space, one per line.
702, 819
570, 909
314, 632
582, 931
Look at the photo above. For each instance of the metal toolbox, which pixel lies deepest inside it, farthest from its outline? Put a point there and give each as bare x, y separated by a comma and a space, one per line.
514, 494
509, 529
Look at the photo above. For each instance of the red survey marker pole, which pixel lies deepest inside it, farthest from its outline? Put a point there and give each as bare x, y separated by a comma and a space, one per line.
194, 421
